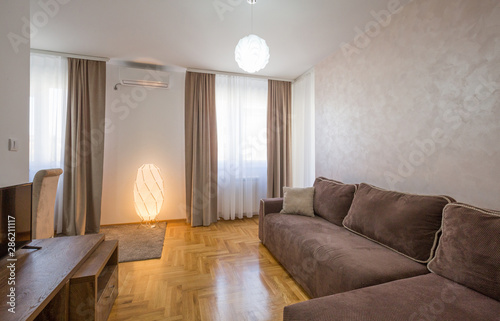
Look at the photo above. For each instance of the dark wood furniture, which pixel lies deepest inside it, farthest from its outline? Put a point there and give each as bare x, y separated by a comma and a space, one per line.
42, 277
94, 287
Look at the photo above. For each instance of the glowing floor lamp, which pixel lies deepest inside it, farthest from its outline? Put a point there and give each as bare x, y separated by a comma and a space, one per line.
148, 193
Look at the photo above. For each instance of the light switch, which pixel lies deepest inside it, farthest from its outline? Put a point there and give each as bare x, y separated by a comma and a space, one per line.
12, 145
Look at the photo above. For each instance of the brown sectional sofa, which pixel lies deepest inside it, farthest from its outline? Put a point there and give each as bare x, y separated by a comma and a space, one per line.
325, 258
374, 266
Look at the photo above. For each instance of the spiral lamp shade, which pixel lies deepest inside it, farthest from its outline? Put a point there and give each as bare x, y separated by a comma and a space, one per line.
148, 192
251, 53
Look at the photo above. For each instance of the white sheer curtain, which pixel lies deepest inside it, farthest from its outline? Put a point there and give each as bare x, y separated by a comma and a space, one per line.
48, 93
303, 158
241, 105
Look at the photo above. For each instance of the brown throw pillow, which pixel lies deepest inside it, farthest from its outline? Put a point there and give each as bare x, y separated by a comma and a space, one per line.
469, 249
332, 199
298, 201
406, 223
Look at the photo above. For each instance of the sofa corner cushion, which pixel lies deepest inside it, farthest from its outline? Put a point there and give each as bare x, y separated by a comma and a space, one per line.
427, 297
332, 199
298, 201
406, 223
469, 249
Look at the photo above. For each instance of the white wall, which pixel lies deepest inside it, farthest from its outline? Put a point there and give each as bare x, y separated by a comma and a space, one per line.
14, 92
416, 106
143, 126
303, 151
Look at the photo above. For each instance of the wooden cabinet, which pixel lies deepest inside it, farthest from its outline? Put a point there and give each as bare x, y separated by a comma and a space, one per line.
57, 308
72, 277
42, 277
94, 287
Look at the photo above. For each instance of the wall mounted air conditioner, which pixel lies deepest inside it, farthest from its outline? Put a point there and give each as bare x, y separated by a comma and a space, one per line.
143, 78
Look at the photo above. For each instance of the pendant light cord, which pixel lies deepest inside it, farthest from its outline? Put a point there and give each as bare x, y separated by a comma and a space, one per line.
251, 22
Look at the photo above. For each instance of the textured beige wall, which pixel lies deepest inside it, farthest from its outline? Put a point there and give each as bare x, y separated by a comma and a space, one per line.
415, 105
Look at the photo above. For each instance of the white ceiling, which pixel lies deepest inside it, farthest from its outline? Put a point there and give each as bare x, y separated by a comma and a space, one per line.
192, 34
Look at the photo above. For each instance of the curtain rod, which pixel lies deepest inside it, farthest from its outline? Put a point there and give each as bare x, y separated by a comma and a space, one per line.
69, 55
236, 74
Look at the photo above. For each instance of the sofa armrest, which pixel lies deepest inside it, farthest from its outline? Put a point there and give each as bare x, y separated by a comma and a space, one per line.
268, 206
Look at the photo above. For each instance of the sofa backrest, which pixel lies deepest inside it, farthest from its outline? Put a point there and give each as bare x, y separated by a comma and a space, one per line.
469, 248
332, 199
406, 223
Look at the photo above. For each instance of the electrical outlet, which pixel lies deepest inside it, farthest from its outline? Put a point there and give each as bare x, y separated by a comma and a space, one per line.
13, 145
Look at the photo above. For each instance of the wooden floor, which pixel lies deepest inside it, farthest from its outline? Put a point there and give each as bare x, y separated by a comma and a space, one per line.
221, 272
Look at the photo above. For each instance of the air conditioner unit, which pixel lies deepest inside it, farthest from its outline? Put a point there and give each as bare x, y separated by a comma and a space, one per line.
143, 78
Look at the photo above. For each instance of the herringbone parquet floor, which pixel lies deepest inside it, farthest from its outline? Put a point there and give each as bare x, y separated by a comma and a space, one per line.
221, 272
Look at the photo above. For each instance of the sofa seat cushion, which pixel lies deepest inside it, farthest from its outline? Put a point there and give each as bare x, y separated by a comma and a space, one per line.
325, 258
427, 297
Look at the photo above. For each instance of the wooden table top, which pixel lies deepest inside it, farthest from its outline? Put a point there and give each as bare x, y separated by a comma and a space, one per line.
40, 274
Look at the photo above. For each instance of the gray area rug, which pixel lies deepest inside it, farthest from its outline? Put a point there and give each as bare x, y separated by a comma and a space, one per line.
136, 242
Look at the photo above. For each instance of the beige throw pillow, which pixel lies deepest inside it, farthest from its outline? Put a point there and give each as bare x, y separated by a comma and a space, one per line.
298, 201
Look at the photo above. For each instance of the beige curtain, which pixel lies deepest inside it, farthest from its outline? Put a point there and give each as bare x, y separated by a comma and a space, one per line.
201, 149
279, 135
84, 150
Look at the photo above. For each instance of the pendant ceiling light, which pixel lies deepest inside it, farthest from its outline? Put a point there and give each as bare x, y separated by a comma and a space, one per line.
252, 52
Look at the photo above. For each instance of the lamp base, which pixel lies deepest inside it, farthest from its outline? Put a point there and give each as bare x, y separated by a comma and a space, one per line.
149, 224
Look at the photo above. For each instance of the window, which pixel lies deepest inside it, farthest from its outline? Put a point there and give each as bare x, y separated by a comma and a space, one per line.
48, 93
241, 104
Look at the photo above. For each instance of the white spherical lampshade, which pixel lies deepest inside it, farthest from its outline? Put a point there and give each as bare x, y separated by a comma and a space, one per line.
251, 53
148, 192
